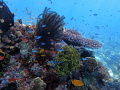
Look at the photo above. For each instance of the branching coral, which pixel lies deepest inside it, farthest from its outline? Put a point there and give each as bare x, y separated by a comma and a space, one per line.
69, 59
50, 24
71, 37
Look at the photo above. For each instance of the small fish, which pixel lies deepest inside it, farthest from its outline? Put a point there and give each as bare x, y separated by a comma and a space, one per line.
52, 48
95, 14
26, 71
13, 79
90, 10
52, 51
68, 36
42, 50
43, 25
52, 61
84, 59
49, 64
2, 20
60, 50
30, 31
77, 83
8, 71
34, 51
38, 37
33, 55
52, 43
97, 27
44, 70
53, 70
43, 55
51, 40
36, 61
20, 21
59, 62
1, 57
96, 34
42, 43
24, 40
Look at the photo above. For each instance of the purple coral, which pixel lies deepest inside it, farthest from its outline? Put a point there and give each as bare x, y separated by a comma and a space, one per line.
71, 37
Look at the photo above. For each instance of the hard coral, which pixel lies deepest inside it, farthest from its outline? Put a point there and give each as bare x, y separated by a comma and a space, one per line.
71, 37
69, 59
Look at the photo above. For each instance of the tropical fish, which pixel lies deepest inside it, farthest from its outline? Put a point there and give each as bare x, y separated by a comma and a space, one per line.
53, 70
33, 55
24, 40
59, 62
38, 37
34, 51
77, 83
42, 43
8, 71
43, 55
30, 31
42, 50
52, 51
60, 50
68, 36
43, 25
95, 14
51, 62
84, 59
1, 57
52, 43
13, 79
52, 48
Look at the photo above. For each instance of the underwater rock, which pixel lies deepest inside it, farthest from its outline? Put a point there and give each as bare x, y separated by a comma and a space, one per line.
38, 84
52, 81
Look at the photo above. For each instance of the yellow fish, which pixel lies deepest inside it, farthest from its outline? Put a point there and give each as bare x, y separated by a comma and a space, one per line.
77, 83
42, 50
43, 55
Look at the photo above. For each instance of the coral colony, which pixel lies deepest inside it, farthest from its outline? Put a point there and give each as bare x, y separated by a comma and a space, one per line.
40, 57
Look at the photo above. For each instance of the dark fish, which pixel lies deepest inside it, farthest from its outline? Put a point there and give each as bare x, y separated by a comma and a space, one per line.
20, 21
95, 14
97, 27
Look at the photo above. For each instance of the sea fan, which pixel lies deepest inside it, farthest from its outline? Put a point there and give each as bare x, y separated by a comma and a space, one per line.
50, 24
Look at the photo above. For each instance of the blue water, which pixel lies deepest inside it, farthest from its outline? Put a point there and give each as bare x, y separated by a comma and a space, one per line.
96, 19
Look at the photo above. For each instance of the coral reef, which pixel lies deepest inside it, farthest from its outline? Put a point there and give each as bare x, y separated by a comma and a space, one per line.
71, 37
52, 81
69, 59
4, 62
38, 84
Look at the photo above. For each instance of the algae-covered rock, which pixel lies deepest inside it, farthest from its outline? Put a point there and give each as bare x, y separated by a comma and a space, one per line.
66, 61
38, 84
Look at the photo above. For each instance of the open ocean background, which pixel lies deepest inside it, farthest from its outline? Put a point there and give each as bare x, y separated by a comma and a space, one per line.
94, 19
